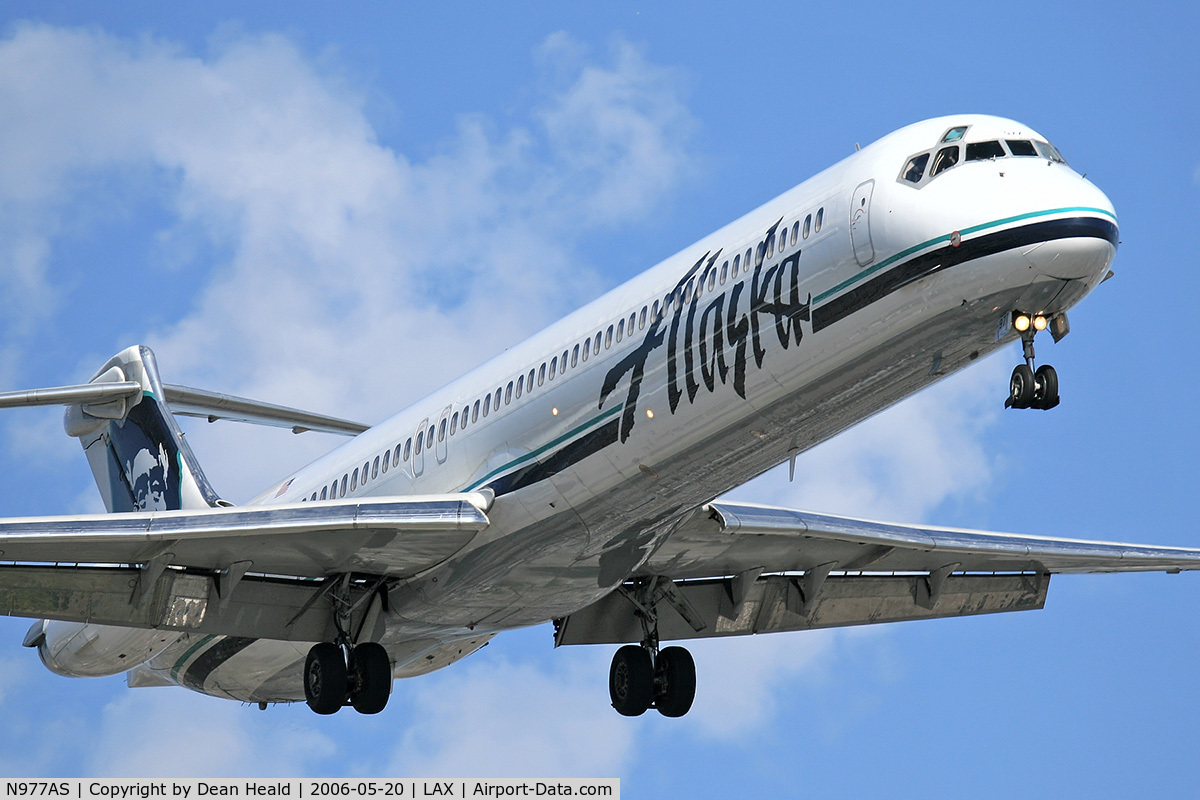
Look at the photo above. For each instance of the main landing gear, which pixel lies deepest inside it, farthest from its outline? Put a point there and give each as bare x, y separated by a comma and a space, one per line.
1029, 387
344, 673
642, 676
337, 675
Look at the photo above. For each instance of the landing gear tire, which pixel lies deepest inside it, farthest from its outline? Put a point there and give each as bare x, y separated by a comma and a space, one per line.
631, 681
325, 678
1045, 393
1021, 387
370, 671
675, 682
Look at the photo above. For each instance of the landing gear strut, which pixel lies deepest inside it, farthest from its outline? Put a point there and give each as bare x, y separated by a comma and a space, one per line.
642, 676
345, 673
1029, 387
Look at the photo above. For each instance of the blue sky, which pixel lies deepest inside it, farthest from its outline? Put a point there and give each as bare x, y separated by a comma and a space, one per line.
343, 210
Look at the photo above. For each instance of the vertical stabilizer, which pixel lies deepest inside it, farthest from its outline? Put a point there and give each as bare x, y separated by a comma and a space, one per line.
134, 447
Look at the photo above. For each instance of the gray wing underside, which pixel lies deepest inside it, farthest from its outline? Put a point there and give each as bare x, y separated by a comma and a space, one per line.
736, 569
250, 571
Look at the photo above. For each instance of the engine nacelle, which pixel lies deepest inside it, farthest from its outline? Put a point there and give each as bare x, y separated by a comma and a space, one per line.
83, 650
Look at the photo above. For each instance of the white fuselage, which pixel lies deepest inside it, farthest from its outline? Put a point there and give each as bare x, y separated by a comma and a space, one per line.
598, 435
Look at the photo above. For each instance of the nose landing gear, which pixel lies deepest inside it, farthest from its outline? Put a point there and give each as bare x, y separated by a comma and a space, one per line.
1029, 387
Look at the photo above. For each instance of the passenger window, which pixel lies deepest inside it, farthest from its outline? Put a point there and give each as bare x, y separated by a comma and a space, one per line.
508, 393
771, 246
946, 158
596, 344
587, 347
795, 232
333, 491
529, 382
554, 366
366, 469
807, 226
542, 374
712, 279
724, 272
608, 337
429, 437
420, 444
737, 262
407, 448
354, 480
387, 461
632, 319
642, 318
375, 468
496, 401
442, 431
746, 260
454, 424
914, 170
520, 386
487, 403
620, 330
563, 362
817, 223
1021, 147
324, 492
982, 151
654, 312
575, 355
345, 481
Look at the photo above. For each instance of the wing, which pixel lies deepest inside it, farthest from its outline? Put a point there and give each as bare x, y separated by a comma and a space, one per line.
250, 571
738, 569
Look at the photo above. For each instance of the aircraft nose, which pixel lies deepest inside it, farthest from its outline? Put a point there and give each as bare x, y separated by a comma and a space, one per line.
1087, 238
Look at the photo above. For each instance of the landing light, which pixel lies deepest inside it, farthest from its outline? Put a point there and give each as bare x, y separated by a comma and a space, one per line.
1021, 322
1039, 323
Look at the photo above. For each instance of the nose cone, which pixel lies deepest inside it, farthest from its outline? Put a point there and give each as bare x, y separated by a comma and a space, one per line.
1084, 225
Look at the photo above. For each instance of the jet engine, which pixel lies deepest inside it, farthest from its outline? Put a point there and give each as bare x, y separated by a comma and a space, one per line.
83, 650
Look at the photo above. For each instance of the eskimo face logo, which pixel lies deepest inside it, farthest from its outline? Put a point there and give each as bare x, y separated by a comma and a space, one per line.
718, 336
148, 475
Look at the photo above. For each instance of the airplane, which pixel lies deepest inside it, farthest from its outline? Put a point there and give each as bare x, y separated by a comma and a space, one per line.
575, 478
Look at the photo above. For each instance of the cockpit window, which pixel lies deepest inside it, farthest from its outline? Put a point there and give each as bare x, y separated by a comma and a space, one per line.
1050, 151
914, 170
1021, 147
954, 134
946, 158
982, 151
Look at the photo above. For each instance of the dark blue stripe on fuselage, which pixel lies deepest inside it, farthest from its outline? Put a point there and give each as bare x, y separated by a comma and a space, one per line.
948, 256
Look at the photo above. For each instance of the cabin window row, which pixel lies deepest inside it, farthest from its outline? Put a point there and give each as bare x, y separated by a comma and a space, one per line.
604, 339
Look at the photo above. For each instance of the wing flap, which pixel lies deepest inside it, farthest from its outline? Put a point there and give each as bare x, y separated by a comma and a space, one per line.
779, 603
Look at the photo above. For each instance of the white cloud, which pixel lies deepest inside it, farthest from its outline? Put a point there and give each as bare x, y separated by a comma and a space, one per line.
504, 720
341, 261
902, 464
162, 733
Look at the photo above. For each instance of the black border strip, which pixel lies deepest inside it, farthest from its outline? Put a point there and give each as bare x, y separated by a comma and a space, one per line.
947, 256
220, 652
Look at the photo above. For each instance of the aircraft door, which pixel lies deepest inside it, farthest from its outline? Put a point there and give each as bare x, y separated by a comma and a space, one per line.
443, 435
418, 458
860, 223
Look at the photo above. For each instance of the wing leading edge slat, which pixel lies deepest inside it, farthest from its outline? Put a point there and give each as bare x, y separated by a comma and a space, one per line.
728, 539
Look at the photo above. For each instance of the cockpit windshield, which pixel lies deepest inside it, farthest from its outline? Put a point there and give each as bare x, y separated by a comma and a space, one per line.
953, 149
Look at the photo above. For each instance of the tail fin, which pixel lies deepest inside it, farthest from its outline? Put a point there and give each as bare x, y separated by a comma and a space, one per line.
135, 449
